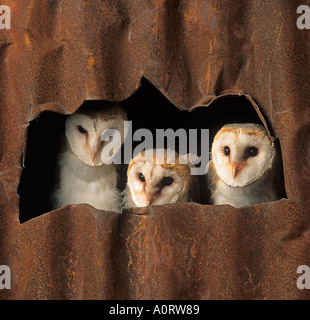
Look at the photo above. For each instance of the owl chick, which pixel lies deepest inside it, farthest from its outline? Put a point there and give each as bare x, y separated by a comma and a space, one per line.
157, 177
83, 176
243, 167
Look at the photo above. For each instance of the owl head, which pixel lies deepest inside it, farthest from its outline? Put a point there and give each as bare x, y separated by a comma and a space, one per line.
85, 127
242, 153
157, 177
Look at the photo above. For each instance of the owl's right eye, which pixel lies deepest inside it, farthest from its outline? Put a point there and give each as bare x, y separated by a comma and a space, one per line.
226, 151
82, 130
141, 177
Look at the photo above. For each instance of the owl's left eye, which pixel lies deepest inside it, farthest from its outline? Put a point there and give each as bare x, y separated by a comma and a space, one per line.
167, 181
82, 130
251, 152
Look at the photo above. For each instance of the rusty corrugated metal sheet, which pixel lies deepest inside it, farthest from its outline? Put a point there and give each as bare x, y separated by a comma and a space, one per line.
60, 53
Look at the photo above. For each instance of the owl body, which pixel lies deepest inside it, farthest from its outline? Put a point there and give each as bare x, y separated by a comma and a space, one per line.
244, 169
157, 177
81, 183
83, 178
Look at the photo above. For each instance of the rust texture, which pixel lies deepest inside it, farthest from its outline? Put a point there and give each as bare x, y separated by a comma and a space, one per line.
60, 53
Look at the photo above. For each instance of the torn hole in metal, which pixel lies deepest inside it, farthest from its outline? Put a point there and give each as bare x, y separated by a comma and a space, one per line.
97, 155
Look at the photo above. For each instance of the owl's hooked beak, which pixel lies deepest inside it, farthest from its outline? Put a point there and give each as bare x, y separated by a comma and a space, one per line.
151, 198
94, 152
93, 155
236, 168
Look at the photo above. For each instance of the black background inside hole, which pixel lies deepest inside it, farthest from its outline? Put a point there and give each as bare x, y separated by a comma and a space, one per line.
147, 108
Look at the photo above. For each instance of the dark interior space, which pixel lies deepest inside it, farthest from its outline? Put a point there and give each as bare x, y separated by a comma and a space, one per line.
146, 108
39, 175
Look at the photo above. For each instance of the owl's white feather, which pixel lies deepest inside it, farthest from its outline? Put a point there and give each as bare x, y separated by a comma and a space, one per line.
243, 170
157, 177
83, 177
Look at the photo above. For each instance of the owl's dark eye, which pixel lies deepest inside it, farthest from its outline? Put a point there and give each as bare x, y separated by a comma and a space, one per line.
251, 152
167, 181
141, 177
82, 130
226, 151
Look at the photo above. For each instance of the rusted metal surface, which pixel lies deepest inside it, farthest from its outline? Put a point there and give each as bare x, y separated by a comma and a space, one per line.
60, 53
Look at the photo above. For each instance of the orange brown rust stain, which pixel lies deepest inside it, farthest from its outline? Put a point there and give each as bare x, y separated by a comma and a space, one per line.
91, 62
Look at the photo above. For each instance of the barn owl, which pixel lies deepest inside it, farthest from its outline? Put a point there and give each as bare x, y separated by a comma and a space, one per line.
244, 166
83, 176
157, 177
